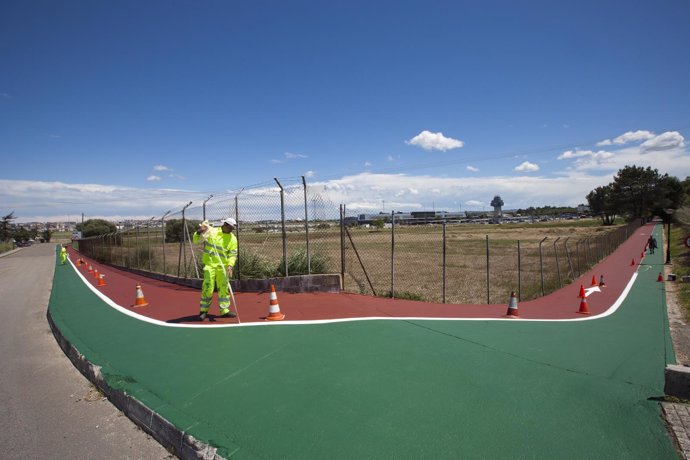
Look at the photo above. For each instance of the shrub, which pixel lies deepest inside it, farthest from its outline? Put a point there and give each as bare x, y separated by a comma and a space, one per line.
253, 265
298, 263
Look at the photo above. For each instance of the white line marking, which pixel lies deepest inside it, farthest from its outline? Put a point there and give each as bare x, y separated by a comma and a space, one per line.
611, 310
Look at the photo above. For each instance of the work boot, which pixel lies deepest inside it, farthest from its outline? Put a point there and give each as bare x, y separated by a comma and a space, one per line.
227, 314
202, 316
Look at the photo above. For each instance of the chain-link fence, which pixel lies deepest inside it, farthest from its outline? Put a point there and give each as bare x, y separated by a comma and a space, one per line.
455, 262
297, 230
281, 231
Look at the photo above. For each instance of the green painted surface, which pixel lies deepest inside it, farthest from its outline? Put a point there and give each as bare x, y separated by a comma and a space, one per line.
395, 389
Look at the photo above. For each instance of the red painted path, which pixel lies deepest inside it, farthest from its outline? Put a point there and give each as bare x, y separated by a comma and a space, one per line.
178, 304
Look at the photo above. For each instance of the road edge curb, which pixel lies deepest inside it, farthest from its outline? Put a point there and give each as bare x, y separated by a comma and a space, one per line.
183, 445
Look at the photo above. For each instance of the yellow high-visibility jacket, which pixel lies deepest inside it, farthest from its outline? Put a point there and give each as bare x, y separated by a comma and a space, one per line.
220, 249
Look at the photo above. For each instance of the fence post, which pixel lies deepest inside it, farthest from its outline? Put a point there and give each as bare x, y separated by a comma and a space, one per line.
237, 219
179, 258
519, 271
392, 254
488, 282
282, 220
541, 265
359, 259
567, 255
136, 244
203, 206
191, 251
342, 249
444, 262
163, 236
148, 242
306, 225
558, 266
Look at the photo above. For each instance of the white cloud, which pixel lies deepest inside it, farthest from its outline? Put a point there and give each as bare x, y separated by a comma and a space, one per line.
568, 154
291, 156
161, 168
310, 174
630, 136
43, 201
526, 166
665, 152
666, 141
474, 203
367, 164
153, 178
472, 168
367, 190
435, 141
586, 156
390, 158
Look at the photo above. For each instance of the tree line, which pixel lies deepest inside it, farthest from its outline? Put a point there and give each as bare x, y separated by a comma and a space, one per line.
638, 193
20, 234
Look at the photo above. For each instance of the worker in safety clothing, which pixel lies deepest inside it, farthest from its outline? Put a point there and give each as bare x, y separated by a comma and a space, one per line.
220, 255
63, 255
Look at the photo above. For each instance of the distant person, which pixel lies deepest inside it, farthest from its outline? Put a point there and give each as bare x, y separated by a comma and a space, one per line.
651, 243
63, 255
220, 255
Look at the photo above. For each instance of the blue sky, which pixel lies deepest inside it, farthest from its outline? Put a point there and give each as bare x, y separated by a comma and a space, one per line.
418, 103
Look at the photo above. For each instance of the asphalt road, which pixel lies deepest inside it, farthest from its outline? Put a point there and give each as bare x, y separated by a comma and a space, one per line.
49, 410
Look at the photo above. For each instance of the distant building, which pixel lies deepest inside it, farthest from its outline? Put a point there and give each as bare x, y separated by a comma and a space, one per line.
583, 209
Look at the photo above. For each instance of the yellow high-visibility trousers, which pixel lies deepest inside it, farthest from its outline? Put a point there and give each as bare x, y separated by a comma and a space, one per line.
214, 275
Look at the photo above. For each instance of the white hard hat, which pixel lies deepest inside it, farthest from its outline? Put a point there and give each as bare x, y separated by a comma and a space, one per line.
229, 221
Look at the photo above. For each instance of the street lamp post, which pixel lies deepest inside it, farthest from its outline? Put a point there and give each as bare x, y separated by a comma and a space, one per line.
669, 214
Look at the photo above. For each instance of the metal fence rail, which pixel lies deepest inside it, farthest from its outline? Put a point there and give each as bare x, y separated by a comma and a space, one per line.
294, 229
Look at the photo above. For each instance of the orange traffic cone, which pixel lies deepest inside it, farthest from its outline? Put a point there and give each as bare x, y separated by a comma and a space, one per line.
513, 311
584, 309
660, 278
594, 281
101, 281
140, 301
90, 269
633, 262
642, 255
601, 281
78, 262
274, 313
582, 292
95, 273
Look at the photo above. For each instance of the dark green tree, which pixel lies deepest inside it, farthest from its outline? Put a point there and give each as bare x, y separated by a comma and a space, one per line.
22, 234
174, 229
669, 197
46, 235
635, 191
378, 223
95, 227
602, 204
5, 231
